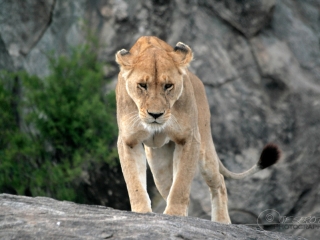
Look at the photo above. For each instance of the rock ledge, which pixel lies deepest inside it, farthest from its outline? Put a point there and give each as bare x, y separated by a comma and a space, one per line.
33, 218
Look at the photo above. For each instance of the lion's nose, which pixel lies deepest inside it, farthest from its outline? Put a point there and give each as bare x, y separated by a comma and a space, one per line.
155, 115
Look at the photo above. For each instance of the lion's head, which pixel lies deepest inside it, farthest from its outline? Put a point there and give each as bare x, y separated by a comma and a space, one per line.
153, 72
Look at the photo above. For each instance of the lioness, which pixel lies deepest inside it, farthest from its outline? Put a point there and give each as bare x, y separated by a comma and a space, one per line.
163, 117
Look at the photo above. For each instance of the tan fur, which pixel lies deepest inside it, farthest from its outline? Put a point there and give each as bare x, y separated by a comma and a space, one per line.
181, 137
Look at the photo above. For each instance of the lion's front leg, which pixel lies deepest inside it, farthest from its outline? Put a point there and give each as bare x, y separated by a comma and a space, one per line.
185, 160
133, 164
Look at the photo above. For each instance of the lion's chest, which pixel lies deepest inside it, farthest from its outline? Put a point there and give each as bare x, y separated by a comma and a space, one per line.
156, 140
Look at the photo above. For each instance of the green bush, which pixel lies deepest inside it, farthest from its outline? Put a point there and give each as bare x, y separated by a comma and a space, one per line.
68, 127
13, 143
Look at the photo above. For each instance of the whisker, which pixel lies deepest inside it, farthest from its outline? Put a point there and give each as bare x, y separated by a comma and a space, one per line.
136, 122
129, 115
176, 122
132, 112
132, 119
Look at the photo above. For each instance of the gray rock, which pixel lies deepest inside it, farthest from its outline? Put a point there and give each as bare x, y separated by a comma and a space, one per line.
63, 33
22, 24
5, 59
45, 218
248, 16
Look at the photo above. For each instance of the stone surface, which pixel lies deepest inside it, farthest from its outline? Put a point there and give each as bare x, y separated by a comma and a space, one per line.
248, 16
61, 35
259, 61
5, 59
45, 218
22, 24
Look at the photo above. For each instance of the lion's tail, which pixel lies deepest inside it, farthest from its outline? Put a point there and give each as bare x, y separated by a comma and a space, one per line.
269, 156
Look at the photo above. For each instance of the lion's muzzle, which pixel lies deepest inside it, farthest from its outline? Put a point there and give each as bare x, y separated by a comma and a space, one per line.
155, 115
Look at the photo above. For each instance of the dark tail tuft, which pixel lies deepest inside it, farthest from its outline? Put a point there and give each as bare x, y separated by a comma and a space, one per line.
269, 156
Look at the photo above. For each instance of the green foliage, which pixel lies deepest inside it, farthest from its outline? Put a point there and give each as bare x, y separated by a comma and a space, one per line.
68, 125
13, 144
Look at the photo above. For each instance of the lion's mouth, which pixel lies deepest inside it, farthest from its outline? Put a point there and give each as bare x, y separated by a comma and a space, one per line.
154, 126
153, 121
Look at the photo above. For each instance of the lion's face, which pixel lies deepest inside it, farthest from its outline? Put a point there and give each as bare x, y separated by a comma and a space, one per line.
155, 84
154, 81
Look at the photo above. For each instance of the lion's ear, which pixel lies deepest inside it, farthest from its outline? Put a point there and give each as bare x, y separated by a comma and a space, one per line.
182, 55
123, 58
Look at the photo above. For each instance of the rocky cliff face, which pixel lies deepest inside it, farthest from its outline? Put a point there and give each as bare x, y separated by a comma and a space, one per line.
45, 218
259, 61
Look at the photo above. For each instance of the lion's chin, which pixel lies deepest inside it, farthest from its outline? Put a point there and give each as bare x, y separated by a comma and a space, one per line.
154, 126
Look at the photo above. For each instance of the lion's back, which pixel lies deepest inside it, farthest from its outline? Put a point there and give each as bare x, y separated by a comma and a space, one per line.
147, 42
202, 105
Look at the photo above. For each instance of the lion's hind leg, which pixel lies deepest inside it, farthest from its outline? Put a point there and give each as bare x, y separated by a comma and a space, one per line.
160, 161
209, 168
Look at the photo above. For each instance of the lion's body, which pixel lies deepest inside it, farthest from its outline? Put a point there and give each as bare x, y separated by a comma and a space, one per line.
163, 107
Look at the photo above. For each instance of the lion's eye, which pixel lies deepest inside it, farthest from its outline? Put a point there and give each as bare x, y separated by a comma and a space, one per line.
168, 86
143, 85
